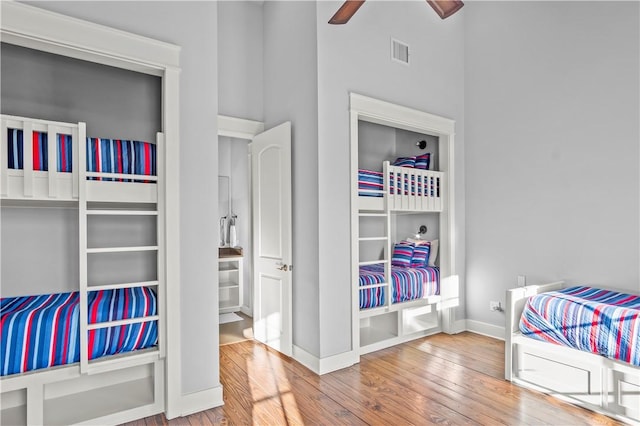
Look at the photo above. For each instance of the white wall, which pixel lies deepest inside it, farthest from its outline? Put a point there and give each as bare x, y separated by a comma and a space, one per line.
356, 58
291, 94
240, 68
191, 25
552, 153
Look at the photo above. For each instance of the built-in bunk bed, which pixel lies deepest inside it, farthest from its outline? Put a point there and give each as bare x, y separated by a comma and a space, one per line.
95, 354
399, 288
578, 343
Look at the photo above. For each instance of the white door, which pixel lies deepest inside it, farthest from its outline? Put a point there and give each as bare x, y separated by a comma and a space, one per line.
271, 196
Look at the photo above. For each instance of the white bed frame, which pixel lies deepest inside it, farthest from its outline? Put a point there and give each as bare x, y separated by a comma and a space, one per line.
592, 381
111, 389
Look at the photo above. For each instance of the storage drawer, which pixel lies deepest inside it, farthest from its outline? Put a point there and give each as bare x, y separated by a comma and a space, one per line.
624, 392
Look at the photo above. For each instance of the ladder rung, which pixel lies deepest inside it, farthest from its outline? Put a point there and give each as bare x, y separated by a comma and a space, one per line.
121, 176
364, 287
123, 212
374, 238
372, 214
123, 285
121, 249
118, 323
372, 262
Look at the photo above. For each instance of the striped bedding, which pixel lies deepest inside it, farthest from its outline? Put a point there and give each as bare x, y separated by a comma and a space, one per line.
103, 155
589, 319
43, 331
371, 184
406, 284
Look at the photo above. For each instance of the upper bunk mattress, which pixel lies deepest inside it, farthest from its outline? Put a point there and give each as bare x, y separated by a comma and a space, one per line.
43, 331
406, 284
103, 155
589, 319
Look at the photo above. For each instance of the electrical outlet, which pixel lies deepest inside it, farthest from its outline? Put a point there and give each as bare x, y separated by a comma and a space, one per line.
522, 280
495, 306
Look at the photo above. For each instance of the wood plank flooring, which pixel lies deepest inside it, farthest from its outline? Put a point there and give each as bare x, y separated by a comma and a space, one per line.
438, 379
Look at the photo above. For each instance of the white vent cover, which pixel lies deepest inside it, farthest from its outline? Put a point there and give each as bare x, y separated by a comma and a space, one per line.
399, 51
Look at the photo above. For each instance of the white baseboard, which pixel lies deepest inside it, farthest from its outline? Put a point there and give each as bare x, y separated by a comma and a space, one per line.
246, 310
459, 326
323, 365
485, 329
202, 400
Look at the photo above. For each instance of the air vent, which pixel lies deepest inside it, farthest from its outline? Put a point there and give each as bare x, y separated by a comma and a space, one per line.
399, 51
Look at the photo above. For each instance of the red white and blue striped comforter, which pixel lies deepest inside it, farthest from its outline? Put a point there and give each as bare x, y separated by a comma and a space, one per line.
43, 331
406, 284
103, 155
599, 321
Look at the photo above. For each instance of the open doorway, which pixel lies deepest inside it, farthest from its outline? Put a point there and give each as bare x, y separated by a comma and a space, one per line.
254, 262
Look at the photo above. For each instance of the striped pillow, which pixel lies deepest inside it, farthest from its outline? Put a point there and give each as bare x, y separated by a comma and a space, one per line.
402, 254
405, 162
422, 161
420, 255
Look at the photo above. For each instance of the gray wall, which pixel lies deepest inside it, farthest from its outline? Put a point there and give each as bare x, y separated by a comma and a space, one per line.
356, 58
114, 103
552, 130
290, 68
240, 49
190, 25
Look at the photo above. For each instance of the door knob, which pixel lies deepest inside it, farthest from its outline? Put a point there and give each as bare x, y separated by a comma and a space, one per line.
284, 268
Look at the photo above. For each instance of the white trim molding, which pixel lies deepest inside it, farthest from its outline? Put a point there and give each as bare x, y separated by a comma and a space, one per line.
485, 329
202, 400
238, 127
36, 28
324, 365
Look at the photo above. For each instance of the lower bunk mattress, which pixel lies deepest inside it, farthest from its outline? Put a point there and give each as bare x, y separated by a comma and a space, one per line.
44, 331
599, 321
406, 284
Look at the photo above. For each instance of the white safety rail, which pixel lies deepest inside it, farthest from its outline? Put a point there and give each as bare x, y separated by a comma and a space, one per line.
411, 189
30, 184
52, 185
405, 190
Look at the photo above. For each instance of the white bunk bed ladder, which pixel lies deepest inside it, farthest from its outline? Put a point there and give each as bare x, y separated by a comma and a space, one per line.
120, 209
386, 257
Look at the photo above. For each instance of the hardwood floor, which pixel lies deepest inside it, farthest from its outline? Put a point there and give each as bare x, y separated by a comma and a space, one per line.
438, 379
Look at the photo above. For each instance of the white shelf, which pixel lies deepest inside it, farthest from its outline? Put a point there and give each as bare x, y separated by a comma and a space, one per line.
225, 304
121, 249
228, 285
105, 212
372, 335
14, 415
98, 403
